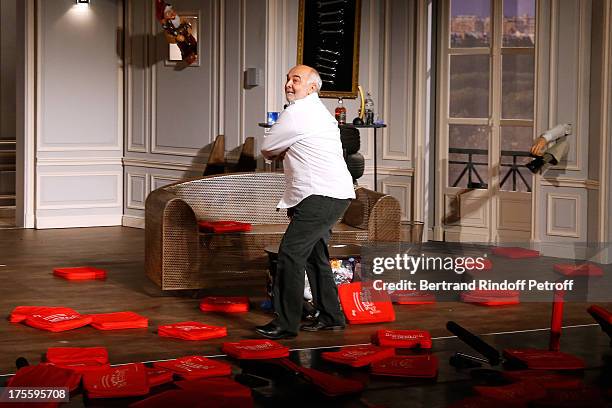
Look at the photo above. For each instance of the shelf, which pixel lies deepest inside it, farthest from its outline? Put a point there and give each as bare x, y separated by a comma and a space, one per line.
7, 196
7, 142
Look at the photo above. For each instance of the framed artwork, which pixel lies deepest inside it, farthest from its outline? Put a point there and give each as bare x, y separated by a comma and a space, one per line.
328, 40
174, 53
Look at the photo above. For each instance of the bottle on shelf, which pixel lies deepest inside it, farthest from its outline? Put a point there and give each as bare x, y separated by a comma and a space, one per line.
340, 112
369, 110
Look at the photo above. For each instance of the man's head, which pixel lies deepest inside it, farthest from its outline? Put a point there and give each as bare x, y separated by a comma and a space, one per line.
302, 81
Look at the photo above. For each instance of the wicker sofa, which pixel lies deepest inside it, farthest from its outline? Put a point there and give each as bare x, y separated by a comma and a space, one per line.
179, 256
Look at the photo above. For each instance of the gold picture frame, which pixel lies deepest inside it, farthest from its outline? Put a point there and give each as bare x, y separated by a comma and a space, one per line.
328, 40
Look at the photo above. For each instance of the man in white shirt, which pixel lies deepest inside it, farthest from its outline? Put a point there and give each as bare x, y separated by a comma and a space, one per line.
318, 191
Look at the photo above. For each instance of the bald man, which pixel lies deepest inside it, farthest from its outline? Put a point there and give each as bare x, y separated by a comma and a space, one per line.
318, 191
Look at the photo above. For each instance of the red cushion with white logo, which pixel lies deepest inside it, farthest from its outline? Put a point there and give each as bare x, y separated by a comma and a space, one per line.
119, 320
255, 349
80, 273
365, 306
403, 338
57, 319
192, 331
20, 313
585, 269
417, 366
45, 375
515, 252
193, 367
77, 355
358, 356
122, 381
231, 304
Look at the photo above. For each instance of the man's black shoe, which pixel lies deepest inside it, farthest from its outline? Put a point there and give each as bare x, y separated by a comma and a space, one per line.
274, 332
318, 325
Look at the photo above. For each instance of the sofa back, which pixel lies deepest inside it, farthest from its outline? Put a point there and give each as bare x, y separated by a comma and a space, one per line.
246, 197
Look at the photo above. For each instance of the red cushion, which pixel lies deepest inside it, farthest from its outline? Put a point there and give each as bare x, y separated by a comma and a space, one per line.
358, 356
57, 319
537, 359
515, 252
491, 297
412, 297
80, 273
192, 331
193, 367
118, 320
585, 269
20, 313
255, 349
358, 310
158, 376
224, 226
403, 338
520, 392
77, 355
227, 304
45, 375
417, 366
122, 381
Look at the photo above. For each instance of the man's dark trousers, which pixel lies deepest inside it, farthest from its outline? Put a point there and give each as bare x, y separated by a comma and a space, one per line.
304, 246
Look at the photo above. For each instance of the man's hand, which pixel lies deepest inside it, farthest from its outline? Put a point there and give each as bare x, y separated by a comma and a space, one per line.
539, 146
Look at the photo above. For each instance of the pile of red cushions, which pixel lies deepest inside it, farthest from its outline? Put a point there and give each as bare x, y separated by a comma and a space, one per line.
80, 273
194, 367
219, 227
158, 376
79, 359
231, 304
57, 319
515, 252
491, 297
118, 320
585, 269
255, 349
54, 319
192, 331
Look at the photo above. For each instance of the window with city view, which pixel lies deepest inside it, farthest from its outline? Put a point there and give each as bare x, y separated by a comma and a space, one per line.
491, 71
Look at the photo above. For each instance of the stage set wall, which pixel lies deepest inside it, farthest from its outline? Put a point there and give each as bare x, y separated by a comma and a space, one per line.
571, 202
173, 116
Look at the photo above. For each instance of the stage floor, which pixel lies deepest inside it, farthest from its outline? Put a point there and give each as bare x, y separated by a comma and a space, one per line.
29, 256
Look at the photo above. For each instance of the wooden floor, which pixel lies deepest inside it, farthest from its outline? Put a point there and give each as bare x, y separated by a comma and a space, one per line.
27, 258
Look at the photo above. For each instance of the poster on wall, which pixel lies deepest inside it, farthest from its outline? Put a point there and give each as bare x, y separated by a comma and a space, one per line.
328, 40
174, 52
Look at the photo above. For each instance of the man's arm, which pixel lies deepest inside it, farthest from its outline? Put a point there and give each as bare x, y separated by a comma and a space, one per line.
282, 136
